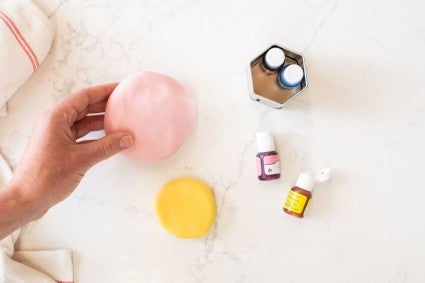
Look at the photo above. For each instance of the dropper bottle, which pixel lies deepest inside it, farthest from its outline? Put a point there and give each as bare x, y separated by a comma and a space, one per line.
268, 167
300, 194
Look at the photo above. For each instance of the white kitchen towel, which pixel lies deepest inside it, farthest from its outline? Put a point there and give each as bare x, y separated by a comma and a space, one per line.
26, 36
3, 110
31, 266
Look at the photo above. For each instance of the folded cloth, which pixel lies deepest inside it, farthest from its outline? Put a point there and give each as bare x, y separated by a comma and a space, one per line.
26, 36
31, 266
3, 110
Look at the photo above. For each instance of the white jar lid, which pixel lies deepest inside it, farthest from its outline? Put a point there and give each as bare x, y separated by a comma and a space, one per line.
274, 58
291, 75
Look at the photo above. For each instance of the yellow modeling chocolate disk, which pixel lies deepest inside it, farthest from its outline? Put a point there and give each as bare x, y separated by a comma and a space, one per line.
186, 208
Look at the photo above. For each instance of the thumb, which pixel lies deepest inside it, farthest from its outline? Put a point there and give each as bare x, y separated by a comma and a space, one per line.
107, 146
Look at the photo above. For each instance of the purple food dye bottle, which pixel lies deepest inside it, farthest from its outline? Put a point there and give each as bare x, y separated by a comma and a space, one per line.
268, 167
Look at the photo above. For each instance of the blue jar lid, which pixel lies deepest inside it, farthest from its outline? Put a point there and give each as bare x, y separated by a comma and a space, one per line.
291, 75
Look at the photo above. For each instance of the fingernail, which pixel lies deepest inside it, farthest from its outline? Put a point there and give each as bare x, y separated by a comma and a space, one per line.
126, 141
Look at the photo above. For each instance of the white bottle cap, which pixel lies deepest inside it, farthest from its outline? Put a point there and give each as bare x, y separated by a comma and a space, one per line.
324, 175
291, 75
305, 181
265, 142
274, 58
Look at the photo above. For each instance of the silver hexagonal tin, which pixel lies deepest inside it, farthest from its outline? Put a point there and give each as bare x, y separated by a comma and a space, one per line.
264, 86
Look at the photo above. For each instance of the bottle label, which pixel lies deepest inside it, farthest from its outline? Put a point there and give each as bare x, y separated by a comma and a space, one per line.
259, 173
271, 164
295, 202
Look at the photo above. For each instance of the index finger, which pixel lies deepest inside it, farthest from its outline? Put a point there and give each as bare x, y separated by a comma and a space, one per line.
81, 99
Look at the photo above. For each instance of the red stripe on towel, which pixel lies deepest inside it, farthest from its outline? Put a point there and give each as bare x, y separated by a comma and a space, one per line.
21, 40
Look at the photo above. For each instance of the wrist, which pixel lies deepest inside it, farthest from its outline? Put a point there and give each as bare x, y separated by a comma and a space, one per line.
27, 190
16, 210
11, 217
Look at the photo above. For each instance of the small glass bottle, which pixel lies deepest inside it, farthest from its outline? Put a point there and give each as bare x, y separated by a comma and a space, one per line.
268, 167
299, 195
273, 60
290, 76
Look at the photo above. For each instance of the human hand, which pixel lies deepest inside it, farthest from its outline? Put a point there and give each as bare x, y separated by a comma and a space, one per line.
54, 162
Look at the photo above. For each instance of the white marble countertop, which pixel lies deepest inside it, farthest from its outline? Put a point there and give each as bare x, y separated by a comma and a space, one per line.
363, 115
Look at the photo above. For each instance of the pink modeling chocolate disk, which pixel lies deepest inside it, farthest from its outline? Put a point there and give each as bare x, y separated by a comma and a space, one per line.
156, 110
